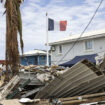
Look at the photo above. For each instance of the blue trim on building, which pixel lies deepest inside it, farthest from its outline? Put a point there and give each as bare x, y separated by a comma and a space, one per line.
34, 60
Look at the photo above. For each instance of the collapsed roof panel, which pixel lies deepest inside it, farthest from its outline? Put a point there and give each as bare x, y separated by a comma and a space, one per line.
81, 72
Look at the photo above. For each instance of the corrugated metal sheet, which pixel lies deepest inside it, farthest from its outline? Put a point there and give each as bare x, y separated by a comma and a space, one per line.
91, 86
83, 71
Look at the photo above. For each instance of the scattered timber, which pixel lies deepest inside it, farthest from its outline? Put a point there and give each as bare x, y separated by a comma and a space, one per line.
77, 100
7, 89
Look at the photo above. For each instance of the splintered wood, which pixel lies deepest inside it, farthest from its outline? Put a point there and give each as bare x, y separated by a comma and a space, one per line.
98, 97
7, 89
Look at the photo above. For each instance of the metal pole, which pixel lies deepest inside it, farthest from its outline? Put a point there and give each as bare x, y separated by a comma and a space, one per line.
47, 61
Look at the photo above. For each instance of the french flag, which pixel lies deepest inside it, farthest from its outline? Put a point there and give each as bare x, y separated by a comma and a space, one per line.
54, 25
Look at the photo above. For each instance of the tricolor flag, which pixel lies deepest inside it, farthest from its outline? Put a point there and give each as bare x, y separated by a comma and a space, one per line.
54, 25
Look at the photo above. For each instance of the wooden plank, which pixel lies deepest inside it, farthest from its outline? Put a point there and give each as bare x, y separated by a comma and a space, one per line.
65, 101
2, 80
16, 102
11, 102
7, 89
74, 102
83, 96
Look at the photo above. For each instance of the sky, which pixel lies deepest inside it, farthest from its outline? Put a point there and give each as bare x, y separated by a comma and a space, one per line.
76, 12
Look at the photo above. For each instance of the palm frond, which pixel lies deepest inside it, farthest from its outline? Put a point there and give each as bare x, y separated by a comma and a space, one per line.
4, 12
13, 26
20, 26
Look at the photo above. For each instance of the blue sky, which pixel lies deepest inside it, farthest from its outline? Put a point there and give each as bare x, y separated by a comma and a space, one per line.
76, 12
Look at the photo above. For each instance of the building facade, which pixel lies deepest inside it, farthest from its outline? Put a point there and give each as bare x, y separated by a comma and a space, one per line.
66, 49
35, 57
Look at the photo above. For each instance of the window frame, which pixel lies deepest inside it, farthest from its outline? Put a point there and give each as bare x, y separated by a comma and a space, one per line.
85, 45
60, 49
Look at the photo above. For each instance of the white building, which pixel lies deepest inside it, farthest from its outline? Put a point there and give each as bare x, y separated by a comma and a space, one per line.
89, 43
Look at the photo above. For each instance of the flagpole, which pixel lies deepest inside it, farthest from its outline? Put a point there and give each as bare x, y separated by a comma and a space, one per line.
47, 40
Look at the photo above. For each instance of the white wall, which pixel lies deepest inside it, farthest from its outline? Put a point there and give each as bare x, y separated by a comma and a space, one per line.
78, 49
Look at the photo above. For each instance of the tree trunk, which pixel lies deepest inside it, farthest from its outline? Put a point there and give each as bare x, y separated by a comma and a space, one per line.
12, 53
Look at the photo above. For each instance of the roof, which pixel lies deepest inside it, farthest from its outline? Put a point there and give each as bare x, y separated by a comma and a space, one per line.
79, 58
2, 61
35, 52
88, 35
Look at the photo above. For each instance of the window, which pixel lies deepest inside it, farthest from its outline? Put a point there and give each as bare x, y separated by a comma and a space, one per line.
43, 57
60, 49
88, 45
52, 48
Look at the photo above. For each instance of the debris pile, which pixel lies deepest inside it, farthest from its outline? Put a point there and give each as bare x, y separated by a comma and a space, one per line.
78, 80
30, 80
42, 82
92, 99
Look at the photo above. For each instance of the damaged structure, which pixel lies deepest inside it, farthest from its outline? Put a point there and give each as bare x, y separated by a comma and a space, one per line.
57, 83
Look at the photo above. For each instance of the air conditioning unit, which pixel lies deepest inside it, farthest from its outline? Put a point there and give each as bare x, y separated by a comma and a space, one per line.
52, 48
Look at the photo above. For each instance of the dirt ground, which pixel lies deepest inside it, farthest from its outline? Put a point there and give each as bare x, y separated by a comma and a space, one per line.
13, 102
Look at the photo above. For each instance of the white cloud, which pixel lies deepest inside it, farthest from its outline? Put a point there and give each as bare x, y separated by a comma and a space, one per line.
34, 21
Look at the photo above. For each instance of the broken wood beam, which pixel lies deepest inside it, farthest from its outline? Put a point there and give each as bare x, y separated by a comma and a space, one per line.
83, 97
7, 88
18, 89
75, 102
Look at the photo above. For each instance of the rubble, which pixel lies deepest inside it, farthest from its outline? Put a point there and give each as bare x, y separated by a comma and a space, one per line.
7, 89
62, 86
32, 78
91, 99
42, 82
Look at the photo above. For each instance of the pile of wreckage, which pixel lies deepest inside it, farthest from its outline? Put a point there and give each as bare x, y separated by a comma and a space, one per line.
82, 83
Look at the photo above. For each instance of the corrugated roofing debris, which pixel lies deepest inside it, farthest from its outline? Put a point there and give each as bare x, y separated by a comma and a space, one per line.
41, 82
63, 85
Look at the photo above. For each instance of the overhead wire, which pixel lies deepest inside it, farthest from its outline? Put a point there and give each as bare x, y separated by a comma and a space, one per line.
82, 32
80, 55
